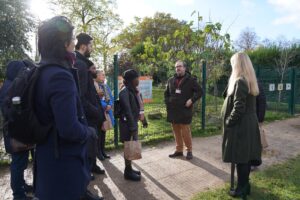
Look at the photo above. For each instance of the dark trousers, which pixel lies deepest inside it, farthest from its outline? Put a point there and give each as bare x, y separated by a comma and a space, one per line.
92, 150
101, 142
243, 172
18, 165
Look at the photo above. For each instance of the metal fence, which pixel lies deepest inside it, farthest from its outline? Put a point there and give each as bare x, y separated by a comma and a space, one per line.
283, 94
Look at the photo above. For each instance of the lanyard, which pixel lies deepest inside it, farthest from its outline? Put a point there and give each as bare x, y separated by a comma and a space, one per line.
178, 83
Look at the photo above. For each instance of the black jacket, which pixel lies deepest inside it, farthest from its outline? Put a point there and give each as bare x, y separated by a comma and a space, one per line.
177, 112
261, 103
88, 94
130, 110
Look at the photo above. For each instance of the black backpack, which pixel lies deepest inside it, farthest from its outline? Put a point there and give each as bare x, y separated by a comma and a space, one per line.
20, 121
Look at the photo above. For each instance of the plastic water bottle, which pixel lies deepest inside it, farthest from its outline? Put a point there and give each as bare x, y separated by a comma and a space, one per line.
16, 101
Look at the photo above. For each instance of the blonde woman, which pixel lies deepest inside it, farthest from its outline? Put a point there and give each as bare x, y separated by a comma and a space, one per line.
241, 141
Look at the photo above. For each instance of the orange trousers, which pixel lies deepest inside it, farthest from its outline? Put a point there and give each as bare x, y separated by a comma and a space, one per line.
182, 133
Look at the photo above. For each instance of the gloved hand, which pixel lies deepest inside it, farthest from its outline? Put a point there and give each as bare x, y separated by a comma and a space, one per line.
145, 123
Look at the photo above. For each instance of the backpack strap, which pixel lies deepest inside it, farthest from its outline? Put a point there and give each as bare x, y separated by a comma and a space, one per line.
37, 73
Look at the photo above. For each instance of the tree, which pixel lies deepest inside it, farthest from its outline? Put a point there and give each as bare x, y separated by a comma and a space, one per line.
161, 24
247, 40
96, 18
286, 56
16, 23
155, 43
214, 48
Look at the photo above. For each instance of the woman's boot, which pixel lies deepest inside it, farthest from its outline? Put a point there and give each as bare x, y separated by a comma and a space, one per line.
243, 186
129, 173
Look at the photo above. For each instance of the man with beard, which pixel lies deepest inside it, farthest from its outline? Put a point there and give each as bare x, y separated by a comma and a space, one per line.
89, 97
181, 93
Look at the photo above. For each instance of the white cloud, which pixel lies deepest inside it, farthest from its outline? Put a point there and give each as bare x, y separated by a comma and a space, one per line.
185, 2
289, 10
128, 9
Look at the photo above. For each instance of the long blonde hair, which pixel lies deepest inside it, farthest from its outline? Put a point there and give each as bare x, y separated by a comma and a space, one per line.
242, 67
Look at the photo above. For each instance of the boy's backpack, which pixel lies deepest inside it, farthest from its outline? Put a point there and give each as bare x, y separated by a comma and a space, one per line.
20, 120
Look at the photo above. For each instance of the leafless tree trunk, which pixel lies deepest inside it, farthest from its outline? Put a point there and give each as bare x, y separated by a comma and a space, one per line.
287, 54
247, 40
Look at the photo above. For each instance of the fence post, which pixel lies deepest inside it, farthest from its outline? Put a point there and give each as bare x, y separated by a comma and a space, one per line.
116, 93
292, 94
257, 72
204, 93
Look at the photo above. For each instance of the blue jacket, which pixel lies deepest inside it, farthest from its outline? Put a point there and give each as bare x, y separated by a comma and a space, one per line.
11, 73
104, 104
57, 101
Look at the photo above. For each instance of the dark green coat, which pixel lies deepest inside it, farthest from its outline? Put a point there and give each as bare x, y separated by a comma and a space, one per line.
177, 112
241, 137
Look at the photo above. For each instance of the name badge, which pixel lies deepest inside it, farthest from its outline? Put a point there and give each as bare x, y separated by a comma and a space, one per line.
177, 91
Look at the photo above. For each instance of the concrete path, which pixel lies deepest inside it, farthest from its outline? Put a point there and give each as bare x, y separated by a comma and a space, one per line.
165, 178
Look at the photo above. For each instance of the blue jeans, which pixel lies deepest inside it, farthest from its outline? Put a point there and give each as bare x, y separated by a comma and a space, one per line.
18, 165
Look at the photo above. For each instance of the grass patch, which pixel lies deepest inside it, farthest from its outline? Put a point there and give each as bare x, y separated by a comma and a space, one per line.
279, 182
4, 163
158, 96
273, 116
160, 130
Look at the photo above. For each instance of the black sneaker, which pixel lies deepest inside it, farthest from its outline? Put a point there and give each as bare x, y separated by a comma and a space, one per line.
106, 156
176, 154
92, 177
97, 170
90, 196
25, 198
28, 188
100, 157
189, 155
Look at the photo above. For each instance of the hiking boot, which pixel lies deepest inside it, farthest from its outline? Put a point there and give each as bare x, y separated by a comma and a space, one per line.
176, 154
189, 155
97, 170
130, 175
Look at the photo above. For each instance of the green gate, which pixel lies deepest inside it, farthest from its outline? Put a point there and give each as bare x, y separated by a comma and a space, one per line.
282, 92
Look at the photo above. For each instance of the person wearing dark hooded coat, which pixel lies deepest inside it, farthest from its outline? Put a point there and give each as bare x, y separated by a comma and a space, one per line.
19, 159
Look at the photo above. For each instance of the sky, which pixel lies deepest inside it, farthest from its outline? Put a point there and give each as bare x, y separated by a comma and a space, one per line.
268, 18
